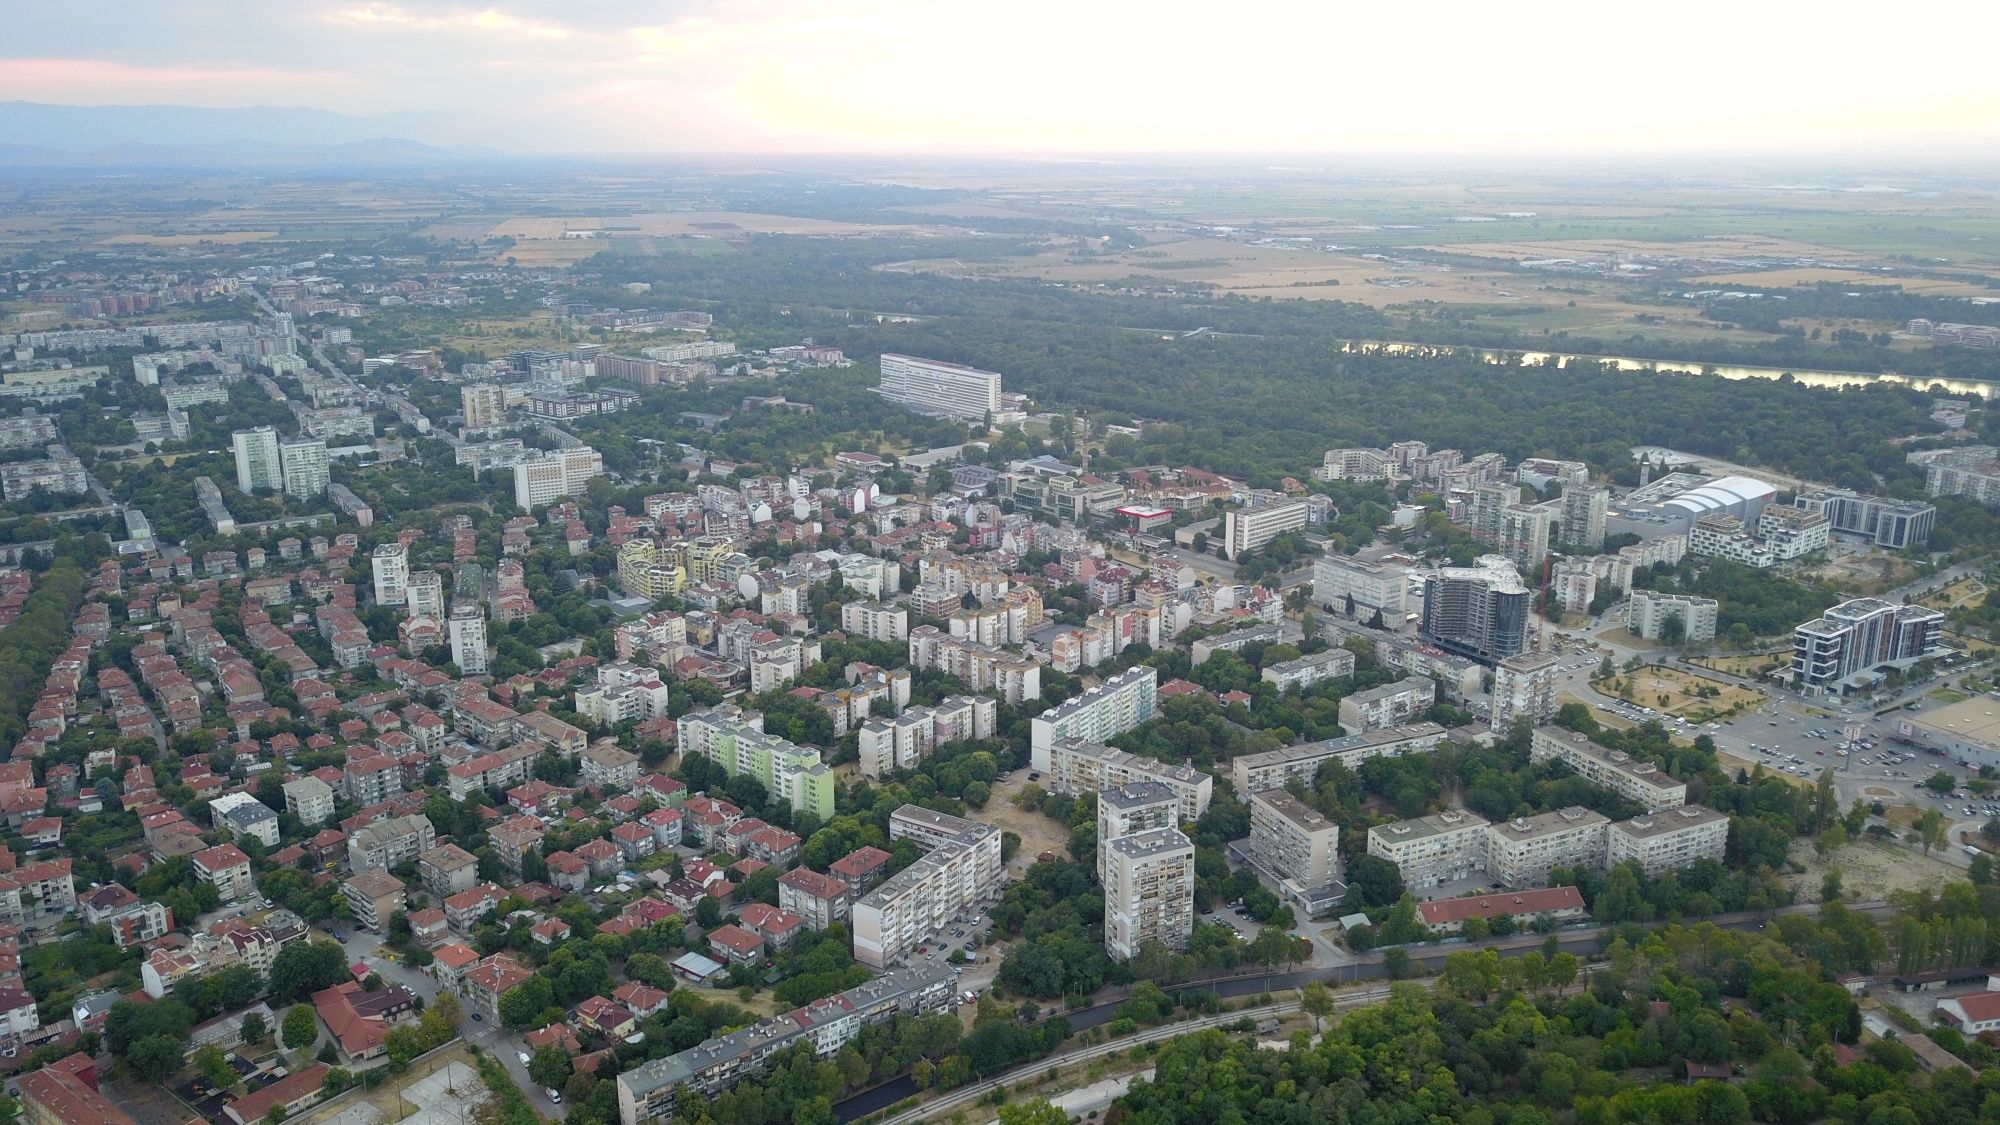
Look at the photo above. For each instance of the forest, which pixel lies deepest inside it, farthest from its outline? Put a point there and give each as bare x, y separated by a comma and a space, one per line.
1507, 1041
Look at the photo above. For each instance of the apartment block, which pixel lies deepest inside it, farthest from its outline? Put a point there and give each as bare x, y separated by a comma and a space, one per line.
1522, 852
1649, 611
257, 464
390, 842
1615, 770
1273, 769
1432, 850
1292, 841
736, 741
305, 466
875, 621
1251, 527
466, 629
1109, 709
389, 565
1148, 892
1077, 766
1583, 511
1669, 839
1127, 810
1391, 705
1306, 671
659, 1089
930, 386
961, 870
543, 480
1524, 687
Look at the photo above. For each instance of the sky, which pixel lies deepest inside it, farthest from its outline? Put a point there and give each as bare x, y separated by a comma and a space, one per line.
1048, 77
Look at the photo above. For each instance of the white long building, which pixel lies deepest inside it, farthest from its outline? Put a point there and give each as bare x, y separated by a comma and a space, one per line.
1117, 705
961, 869
930, 386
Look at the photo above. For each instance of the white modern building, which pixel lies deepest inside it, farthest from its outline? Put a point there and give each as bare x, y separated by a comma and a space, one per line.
1361, 589
930, 386
467, 629
257, 462
544, 480
1852, 641
304, 462
389, 565
1247, 528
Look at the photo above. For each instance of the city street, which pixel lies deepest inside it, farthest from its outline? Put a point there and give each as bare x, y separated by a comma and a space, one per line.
488, 1036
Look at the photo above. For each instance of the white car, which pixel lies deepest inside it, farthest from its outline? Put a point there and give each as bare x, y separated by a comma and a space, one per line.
523, 1056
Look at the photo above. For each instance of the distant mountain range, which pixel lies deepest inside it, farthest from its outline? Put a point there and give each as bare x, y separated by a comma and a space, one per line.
35, 133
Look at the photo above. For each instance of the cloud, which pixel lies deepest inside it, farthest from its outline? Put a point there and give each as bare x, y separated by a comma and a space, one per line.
104, 82
491, 20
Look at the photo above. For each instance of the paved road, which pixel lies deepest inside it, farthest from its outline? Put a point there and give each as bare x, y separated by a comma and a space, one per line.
1424, 959
497, 1041
966, 1095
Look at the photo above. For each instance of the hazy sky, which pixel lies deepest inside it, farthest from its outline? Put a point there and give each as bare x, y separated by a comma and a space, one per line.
1048, 76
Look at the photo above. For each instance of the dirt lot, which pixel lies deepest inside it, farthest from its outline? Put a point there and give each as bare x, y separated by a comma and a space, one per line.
1680, 690
1038, 833
1869, 870
1865, 575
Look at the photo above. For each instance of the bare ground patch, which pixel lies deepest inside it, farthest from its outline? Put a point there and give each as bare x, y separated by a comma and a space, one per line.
1869, 870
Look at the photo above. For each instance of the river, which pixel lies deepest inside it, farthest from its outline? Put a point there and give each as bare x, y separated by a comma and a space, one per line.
1500, 356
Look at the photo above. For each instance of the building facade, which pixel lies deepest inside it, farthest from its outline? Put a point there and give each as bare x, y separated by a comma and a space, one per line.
1148, 892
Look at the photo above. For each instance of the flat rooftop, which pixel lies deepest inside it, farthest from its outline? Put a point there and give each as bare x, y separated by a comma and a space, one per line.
1669, 820
1971, 720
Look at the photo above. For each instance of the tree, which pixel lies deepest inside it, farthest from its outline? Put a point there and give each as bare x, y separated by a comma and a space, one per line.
300, 1027
1940, 782
522, 1004
155, 1058
1372, 881
1930, 831
253, 1029
303, 968
214, 1066
549, 1066
1396, 963
1036, 1112
1317, 1001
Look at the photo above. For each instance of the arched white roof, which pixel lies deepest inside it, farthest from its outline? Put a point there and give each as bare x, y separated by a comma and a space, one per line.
1724, 493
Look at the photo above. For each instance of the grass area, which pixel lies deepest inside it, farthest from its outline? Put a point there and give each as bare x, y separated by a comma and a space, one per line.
1946, 695
1966, 591
1693, 697
1748, 665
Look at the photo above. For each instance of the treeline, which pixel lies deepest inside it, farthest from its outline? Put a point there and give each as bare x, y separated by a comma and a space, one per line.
1754, 603
29, 647
1235, 400
1494, 1043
